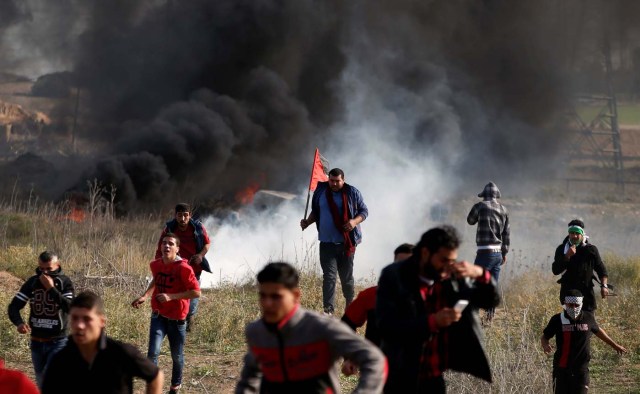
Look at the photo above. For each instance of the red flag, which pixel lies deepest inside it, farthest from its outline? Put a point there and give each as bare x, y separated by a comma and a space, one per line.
319, 170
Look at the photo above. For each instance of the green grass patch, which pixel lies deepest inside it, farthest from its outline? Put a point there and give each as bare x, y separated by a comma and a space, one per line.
628, 114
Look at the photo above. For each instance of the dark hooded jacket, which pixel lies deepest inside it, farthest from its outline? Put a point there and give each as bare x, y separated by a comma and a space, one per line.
577, 272
404, 329
49, 309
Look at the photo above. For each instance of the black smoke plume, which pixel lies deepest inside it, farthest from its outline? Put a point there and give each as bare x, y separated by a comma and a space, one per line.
199, 98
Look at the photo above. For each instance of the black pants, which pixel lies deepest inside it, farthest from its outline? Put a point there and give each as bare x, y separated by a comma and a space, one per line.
566, 381
433, 386
410, 386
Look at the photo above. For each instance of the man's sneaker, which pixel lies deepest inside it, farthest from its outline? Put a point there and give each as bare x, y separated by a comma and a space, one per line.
174, 390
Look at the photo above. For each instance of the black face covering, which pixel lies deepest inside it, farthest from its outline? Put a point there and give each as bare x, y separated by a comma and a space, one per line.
52, 273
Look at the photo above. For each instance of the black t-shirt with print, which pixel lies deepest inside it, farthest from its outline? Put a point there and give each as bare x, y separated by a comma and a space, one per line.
573, 338
111, 372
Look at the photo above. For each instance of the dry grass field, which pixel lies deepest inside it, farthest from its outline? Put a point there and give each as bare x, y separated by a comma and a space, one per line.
110, 256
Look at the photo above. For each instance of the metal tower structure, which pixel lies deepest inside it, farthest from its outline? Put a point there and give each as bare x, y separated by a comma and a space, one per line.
598, 140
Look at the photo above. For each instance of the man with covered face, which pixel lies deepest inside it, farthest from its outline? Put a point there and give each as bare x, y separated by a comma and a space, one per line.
576, 259
572, 329
48, 293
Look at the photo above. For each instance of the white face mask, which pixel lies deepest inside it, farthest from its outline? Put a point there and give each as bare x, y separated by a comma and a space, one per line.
573, 312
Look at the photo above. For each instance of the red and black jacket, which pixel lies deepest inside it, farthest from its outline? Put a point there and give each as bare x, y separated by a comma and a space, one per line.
300, 355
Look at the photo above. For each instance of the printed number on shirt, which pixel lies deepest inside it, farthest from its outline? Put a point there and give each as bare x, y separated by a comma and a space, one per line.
43, 304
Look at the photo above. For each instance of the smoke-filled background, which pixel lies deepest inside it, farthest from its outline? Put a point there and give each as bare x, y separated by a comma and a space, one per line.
417, 101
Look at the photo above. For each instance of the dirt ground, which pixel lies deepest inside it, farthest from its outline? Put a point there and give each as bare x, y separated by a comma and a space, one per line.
9, 283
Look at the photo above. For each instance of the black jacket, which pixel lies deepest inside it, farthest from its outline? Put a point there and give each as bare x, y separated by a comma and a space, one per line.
49, 309
578, 271
403, 324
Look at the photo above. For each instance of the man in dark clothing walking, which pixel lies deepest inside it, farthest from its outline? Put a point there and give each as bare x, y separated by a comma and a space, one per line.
337, 208
572, 329
194, 245
49, 293
577, 259
423, 328
94, 363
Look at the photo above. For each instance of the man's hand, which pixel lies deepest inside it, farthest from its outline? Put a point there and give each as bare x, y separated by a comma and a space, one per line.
604, 292
620, 350
138, 301
350, 225
163, 297
195, 260
304, 223
504, 259
24, 329
465, 269
446, 316
546, 347
349, 368
570, 252
46, 281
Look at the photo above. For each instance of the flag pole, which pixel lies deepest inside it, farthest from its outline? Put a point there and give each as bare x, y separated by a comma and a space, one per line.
306, 206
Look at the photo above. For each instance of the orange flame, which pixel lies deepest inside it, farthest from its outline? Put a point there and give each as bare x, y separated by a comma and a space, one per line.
77, 215
245, 196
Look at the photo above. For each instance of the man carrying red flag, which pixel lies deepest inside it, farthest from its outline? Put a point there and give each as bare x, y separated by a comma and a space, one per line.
337, 208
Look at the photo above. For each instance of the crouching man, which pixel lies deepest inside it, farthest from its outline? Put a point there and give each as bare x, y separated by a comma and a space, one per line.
572, 329
93, 362
292, 350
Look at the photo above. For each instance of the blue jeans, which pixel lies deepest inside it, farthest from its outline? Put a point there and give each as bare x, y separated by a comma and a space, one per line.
193, 304
176, 331
42, 353
491, 262
334, 262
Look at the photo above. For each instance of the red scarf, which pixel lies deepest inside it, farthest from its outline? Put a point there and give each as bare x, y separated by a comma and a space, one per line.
339, 222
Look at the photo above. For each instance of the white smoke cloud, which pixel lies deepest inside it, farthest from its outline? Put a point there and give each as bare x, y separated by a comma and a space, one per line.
399, 184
